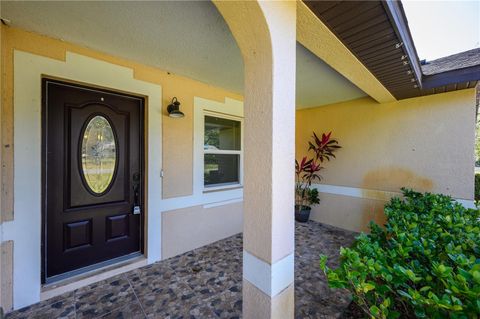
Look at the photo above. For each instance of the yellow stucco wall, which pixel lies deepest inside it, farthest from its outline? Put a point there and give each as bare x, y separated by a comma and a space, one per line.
425, 143
177, 133
177, 150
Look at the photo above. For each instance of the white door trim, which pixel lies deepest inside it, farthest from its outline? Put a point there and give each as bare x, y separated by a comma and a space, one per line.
25, 229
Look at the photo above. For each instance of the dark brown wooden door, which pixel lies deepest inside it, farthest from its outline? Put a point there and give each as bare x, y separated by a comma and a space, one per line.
92, 177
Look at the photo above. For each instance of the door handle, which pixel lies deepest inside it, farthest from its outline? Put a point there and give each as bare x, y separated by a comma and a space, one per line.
136, 194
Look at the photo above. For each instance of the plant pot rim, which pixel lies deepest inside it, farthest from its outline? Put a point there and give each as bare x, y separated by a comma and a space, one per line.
303, 207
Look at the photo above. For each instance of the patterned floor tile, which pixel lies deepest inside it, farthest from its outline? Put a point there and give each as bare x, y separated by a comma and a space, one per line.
154, 280
227, 304
103, 297
205, 283
129, 311
169, 303
62, 306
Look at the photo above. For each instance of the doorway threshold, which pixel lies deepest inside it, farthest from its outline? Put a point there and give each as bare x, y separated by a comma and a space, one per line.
87, 277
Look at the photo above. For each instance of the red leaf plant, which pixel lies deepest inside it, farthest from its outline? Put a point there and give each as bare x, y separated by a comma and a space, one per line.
307, 171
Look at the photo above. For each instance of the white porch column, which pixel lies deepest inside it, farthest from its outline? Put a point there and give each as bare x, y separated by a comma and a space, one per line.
265, 33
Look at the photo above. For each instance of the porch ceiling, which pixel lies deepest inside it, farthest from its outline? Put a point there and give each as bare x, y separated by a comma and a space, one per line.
187, 38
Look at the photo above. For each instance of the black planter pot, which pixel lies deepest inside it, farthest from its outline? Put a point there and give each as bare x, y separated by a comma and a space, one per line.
302, 213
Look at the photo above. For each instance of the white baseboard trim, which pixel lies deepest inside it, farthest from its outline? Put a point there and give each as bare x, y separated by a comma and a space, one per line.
234, 196
271, 279
356, 192
466, 203
372, 193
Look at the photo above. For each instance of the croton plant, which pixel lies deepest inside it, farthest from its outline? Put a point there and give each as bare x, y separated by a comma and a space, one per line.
307, 170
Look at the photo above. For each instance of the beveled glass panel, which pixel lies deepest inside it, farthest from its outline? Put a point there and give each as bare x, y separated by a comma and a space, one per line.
99, 154
222, 134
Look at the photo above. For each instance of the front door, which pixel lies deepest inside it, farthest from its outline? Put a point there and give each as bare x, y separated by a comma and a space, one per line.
92, 172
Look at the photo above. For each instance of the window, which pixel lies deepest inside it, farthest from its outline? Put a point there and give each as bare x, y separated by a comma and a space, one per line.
218, 149
222, 160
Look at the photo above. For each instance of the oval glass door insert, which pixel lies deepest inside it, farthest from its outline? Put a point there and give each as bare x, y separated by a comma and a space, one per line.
99, 154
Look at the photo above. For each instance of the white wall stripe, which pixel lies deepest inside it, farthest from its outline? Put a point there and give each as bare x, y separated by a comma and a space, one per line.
226, 197
271, 279
372, 193
226, 202
467, 203
201, 199
356, 192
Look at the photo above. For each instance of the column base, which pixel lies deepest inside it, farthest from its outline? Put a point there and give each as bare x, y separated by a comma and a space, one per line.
258, 305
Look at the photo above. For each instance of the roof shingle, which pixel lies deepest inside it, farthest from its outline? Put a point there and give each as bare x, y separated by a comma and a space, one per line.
452, 62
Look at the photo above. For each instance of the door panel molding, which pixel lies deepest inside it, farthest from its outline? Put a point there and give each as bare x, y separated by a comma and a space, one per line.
78, 239
25, 231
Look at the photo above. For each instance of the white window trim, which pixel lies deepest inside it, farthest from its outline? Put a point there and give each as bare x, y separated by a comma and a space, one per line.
230, 109
218, 187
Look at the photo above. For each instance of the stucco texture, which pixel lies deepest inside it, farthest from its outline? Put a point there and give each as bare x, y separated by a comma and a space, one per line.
347, 212
425, 143
189, 228
265, 33
177, 133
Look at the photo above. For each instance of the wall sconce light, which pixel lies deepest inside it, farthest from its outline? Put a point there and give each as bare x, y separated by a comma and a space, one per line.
173, 109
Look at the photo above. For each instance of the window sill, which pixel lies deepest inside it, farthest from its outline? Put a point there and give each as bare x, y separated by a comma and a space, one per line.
222, 188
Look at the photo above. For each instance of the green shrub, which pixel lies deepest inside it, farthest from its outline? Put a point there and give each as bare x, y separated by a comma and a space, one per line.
425, 263
477, 187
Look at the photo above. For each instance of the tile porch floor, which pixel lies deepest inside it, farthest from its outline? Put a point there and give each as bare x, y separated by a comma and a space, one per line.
203, 283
